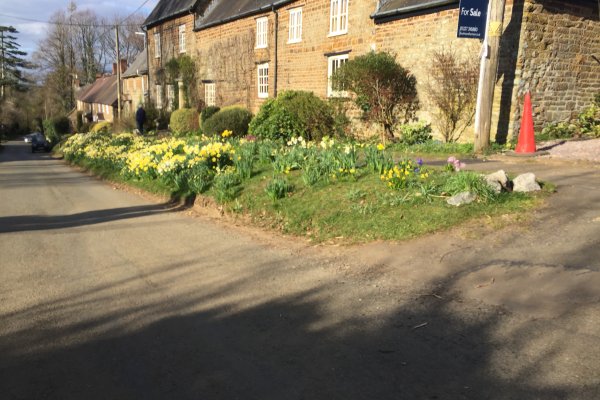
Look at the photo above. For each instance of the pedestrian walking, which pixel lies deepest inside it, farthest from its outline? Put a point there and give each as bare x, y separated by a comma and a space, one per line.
140, 118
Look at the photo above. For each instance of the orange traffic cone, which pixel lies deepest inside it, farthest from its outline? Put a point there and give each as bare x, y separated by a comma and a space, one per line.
526, 143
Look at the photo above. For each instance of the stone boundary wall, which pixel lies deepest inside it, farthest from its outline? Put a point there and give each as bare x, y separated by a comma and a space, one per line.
558, 40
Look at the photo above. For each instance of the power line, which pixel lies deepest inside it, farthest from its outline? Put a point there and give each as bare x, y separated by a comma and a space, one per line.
64, 23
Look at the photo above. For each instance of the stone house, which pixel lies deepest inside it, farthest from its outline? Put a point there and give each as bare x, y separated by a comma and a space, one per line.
249, 50
135, 84
98, 100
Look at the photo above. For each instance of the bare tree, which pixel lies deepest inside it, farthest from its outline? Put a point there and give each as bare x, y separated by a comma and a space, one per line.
452, 91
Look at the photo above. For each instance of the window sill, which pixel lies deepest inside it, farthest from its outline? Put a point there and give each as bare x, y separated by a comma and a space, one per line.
294, 41
260, 47
263, 95
333, 34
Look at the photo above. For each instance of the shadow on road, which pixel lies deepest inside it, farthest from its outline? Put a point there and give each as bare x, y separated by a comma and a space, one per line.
285, 348
22, 223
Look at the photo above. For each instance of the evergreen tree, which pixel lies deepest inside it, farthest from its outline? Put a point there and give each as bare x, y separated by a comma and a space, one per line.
11, 61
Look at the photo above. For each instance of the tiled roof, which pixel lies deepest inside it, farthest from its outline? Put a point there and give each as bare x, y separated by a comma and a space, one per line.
138, 67
102, 91
394, 7
166, 9
222, 11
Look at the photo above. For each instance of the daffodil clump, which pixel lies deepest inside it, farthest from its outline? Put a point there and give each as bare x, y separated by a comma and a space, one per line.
404, 174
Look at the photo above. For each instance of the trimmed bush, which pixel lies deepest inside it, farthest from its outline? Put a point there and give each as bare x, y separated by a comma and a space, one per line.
184, 121
207, 113
235, 119
56, 127
416, 133
102, 127
293, 114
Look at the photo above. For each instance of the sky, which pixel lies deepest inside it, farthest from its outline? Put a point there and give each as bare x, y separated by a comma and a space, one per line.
31, 33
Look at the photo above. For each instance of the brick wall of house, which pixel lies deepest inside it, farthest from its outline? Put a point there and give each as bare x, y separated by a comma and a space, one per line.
133, 93
557, 41
169, 48
226, 56
542, 49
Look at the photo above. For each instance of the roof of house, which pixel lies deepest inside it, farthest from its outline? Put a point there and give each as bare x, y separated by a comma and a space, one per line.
167, 9
394, 7
222, 11
138, 67
102, 91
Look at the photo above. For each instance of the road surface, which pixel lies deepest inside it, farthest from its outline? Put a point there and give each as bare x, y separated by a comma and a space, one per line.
108, 295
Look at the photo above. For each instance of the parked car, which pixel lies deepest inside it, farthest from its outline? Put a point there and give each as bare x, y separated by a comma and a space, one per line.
39, 142
27, 138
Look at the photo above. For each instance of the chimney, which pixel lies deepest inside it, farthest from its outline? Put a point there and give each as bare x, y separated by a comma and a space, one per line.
123, 65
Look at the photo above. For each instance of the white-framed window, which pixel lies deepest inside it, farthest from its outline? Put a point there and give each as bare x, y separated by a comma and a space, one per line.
262, 29
210, 94
159, 97
333, 63
295, 34
171, 96
263, 80
156, 44
338, 21
182, 38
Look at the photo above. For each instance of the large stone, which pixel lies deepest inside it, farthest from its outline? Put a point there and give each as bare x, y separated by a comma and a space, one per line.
462, 198
497, 181
526, 183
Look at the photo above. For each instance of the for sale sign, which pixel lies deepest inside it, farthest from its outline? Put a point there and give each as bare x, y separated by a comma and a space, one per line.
472, 19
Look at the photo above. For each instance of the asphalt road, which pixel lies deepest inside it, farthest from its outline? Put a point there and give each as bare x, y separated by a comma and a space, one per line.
107, 295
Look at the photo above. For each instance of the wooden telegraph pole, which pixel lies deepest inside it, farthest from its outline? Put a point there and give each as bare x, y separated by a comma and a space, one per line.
118, 74
487, 80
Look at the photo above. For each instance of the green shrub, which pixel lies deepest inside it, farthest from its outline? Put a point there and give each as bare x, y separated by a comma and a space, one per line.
384, 91
561, 130
54, 128
207, 113
184, 121
102, 127
292, 114
589, 121
416, 133
234, 119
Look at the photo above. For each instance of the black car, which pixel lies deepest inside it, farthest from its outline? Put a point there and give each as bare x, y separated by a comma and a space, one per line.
39, 142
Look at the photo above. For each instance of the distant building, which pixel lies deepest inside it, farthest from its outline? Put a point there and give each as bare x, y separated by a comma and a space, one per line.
135, 84
98, 101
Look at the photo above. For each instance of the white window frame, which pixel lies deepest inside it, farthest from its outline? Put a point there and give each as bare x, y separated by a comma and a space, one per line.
262, 80
262, 31
333, 63
159, 99
295, 22
210, 94
182, 38
338, 17
156, 44
171, 97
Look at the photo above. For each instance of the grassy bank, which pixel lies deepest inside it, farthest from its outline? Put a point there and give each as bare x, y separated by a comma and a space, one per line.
348, 191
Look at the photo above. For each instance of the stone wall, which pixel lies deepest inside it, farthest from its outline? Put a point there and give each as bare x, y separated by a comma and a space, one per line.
169, 48
558, 40
226, 56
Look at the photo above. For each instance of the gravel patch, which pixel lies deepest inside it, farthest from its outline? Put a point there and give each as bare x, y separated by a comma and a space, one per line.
586, 150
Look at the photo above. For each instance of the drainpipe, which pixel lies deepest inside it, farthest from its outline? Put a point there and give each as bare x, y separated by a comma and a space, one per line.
276, 28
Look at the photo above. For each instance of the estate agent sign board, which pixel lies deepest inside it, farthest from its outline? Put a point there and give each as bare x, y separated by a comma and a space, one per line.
472, 18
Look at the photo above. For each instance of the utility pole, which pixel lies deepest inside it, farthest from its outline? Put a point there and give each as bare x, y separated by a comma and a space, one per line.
118, 74
487, 79
2, 66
